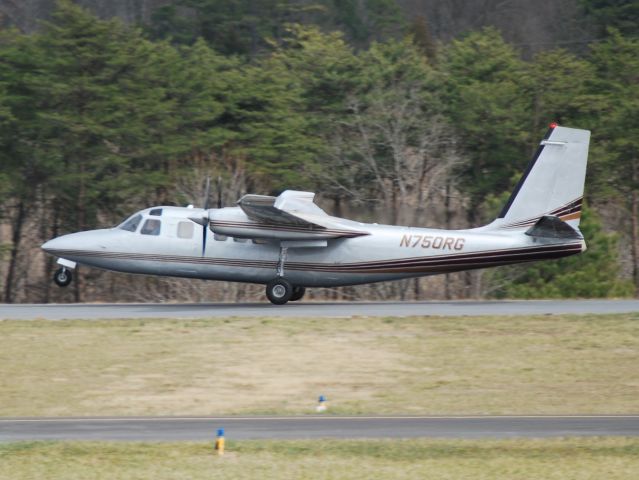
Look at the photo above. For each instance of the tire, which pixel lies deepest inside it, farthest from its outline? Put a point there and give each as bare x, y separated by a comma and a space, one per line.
62, 277
298, 293
279, 291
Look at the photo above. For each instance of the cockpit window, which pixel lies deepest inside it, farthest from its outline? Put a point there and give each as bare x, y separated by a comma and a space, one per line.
156, 212
131, 225
151, 227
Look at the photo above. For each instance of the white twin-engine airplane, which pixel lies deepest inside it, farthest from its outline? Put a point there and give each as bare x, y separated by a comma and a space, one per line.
288, 243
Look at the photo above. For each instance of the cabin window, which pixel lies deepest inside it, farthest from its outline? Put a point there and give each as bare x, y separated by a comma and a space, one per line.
220, 238
157, 212
260, 241
239, 240
131, 225
185, 230
151, 227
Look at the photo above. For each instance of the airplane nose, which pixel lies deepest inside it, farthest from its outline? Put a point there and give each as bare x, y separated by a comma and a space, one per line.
66, 243
55, 244
79, 241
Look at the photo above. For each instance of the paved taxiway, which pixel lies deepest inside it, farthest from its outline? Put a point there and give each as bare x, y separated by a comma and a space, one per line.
315, 309
182, 429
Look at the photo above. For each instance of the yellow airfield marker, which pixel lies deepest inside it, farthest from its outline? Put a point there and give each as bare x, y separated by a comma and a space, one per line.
219, 443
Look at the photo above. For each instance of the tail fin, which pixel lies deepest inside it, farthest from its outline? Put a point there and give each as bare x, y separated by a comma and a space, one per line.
553, 183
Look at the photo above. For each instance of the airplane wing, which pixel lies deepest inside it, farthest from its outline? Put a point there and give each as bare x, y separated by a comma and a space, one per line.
290, 216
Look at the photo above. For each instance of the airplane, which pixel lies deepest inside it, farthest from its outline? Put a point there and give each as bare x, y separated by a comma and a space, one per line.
289, 244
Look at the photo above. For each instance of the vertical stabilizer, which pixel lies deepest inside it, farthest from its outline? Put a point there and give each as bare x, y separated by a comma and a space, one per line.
553, 183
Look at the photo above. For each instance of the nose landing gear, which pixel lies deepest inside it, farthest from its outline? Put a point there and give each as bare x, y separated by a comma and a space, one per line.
62, 277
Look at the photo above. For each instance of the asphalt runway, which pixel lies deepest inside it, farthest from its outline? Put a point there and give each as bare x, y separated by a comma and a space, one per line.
315, 309
312, 427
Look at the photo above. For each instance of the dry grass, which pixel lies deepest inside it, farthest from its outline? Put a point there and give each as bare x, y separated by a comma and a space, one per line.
500, 365
566, 459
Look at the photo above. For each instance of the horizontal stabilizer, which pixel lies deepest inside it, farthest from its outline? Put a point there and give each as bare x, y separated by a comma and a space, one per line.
553, 227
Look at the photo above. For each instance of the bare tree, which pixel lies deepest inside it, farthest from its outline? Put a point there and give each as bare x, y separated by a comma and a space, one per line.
406, 150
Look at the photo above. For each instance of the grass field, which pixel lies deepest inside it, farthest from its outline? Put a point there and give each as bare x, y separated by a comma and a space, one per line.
566, 459
426, 365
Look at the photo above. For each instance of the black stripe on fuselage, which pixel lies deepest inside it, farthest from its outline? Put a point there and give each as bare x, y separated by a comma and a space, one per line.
510, 256
404, 265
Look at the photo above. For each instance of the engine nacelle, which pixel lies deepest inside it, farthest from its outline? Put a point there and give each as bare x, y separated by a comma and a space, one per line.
233, 222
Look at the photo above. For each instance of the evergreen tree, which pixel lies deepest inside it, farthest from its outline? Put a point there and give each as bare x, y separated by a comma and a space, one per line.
327, 72
230, 26
486, 101
98, 114
557, 85
273, 132
622, 15
616, 134
420, 31
365, 20
24, 166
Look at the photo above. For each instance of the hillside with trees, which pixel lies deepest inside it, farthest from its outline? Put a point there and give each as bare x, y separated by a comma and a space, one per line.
417, 113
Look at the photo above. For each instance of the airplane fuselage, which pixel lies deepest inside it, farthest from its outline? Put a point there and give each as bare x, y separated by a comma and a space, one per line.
380, 253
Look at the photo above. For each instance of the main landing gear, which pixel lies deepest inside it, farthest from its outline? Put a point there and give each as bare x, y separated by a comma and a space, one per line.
279, 290
62, 277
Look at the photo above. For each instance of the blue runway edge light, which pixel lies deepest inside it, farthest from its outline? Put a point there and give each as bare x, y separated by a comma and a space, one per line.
220, 432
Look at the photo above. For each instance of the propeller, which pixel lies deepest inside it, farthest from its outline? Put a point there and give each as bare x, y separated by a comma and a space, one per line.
205, 218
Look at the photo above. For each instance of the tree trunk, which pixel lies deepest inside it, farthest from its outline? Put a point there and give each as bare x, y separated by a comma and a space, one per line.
634, 232
448, 222
81, 225
16, 235
44, 236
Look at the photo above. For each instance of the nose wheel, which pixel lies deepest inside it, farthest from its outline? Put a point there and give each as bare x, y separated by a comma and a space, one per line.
62, 277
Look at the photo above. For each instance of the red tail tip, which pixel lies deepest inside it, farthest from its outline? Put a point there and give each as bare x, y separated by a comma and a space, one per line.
553, 125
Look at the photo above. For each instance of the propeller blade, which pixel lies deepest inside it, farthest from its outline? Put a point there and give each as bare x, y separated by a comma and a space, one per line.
205, 227
219, 192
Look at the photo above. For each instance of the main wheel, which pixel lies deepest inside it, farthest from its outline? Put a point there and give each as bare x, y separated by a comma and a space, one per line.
62, 277
298, 293
279, 291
